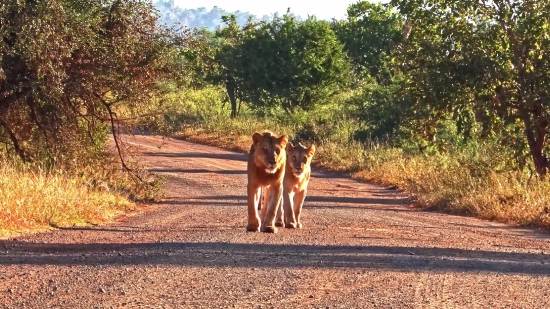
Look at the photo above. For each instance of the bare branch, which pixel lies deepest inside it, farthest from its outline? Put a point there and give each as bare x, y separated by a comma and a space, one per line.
112, 118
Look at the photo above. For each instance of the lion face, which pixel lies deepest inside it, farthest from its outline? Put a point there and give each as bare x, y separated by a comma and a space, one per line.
270, 151
299, 157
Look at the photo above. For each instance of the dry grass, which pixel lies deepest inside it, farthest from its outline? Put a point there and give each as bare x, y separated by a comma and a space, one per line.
452, 183
446, 184
34, 201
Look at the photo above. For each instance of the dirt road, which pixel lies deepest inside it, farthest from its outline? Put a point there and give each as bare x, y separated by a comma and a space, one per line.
361, 247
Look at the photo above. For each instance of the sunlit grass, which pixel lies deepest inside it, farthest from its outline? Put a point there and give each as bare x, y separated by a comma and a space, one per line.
34, 200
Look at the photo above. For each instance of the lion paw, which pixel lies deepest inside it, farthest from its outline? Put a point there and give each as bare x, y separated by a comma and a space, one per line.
251, 227
279, 224
269, 229
290, 225
299, 225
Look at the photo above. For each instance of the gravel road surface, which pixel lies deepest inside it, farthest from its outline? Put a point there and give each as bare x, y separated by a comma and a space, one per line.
362, 246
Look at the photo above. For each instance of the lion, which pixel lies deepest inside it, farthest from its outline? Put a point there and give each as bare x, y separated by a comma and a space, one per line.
295, 183
266, 170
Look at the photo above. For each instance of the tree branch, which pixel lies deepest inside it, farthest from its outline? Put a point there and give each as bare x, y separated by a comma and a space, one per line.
15, 142
112, 119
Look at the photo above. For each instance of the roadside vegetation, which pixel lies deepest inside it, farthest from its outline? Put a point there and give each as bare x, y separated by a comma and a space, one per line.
475, 178
71, 72
34, 200
444, 99
447, 100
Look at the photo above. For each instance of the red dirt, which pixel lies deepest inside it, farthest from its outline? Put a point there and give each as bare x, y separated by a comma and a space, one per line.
362, 246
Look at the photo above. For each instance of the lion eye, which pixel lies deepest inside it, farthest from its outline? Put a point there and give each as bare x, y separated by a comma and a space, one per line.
305, 160
293, 158
278, 151
265, 149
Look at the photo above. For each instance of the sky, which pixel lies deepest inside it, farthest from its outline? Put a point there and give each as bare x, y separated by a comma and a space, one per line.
331, 8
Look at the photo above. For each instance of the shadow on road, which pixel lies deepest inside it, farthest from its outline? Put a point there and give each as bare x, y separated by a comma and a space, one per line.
234, 157
307, 205
358, 200
221, 156
321, 199
218, 254
198, 171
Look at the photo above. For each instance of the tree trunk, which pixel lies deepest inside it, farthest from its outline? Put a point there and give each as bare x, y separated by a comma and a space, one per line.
239, 110
536, 145
230, 87
15, 142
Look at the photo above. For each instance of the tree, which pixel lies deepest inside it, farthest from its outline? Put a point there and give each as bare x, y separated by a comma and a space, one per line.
370, 34
67, 67
285, 63
228, 58
215, 57
483, 60
200, 58
292, 64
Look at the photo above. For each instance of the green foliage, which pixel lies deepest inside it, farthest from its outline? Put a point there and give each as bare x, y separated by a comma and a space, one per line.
485, 62
430, 74
292, 64
201, 110
285, 63
214, 58
69, 67
382, 111
199, 59
370, 34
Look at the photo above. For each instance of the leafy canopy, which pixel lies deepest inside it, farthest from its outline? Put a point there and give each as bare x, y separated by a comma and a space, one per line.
484, 61
68, 68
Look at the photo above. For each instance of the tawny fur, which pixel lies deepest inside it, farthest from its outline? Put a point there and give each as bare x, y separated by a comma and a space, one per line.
266, 170
295, 183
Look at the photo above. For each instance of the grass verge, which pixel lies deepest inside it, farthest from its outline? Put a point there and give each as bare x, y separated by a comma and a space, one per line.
35, 201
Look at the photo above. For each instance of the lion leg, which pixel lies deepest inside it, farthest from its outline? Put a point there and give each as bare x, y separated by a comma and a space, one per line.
298, 203
262, 193
288, 201
274, 200
263, 201
279, 218
253, 201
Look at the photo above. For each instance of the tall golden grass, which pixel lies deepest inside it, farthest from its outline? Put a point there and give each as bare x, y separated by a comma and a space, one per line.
33, 200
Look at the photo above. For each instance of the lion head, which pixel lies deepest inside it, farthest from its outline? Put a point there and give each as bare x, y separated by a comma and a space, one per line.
299, 157
269, 151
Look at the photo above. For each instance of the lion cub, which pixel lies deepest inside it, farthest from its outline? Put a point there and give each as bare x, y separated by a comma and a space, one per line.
265, 169
295, 182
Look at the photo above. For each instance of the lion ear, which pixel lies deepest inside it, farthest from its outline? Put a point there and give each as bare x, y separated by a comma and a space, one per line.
289, 147
283, 140
257, 138
311, 150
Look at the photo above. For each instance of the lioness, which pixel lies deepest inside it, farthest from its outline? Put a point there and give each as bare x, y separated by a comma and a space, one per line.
296, 180
266, 169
